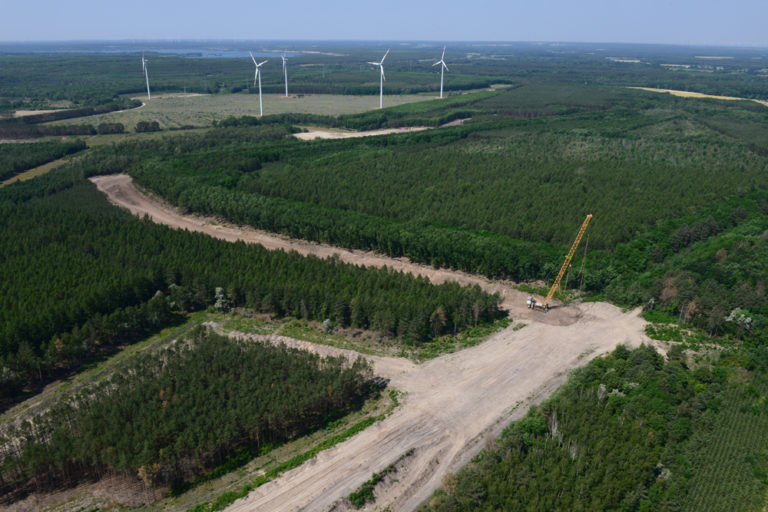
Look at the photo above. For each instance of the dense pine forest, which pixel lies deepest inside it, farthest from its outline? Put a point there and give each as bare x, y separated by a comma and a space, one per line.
15, 158
80, 276
632, 431
173, 414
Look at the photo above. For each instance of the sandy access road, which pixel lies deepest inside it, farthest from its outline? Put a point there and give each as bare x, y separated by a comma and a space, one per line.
449, 404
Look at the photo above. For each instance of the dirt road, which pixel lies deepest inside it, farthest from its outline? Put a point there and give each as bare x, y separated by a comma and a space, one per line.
449, 404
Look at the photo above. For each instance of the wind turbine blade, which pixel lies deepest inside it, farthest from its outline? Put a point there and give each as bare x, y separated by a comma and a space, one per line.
446, 66
374, 63
385, 55
262, 63
252, 58
443, 56
382, 74
436, 63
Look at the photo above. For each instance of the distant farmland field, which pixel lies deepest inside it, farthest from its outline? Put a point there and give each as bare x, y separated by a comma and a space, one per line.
199, 110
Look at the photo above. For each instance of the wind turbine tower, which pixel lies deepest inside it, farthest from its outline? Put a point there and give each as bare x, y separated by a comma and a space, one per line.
146, 74
257, 76
285, 74
381, 86
443, 68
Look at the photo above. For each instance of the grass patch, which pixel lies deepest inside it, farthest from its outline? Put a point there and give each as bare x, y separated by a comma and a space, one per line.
449, 344
229, 497
203, 110
99, 369
365, 493
365, 342
34, 172
689, 338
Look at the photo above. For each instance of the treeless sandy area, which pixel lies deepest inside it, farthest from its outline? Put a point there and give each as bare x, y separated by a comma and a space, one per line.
689, 94
343, 134
25, 113
449, 404
170, 95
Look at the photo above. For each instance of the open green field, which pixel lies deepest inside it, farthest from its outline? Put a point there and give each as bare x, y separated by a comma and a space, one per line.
175, 111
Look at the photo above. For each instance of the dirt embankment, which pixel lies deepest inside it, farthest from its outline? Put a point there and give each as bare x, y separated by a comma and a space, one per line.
449, 404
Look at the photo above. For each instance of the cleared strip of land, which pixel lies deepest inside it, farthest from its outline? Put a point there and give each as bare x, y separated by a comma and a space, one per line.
34, 172
327, 133
449, 404
689, 94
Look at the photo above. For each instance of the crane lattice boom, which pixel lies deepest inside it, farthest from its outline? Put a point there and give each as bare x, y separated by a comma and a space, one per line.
545, 305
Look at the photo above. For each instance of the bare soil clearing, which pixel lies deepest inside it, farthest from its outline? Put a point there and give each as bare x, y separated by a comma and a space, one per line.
449, 404
25, 113
456, 122
689, 94
171, 95
344, 134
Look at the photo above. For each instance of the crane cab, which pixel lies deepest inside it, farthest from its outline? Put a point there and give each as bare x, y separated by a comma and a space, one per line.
532, 303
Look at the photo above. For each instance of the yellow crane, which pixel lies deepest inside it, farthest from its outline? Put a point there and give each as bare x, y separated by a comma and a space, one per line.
532, 303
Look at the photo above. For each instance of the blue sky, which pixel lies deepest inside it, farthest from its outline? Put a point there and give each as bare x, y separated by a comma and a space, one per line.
701, 22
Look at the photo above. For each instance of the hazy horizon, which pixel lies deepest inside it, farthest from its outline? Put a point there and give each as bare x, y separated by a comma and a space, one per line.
685, 22
489, 42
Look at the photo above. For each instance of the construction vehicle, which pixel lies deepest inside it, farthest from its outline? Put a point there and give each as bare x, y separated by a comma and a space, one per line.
543, 305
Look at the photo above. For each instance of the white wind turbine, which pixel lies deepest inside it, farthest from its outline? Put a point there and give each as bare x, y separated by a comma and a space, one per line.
255, 77
381, 87
146, 74
285, 74
443, 68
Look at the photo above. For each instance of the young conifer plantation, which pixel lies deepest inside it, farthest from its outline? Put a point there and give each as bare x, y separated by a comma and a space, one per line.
172, 414
80, 276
